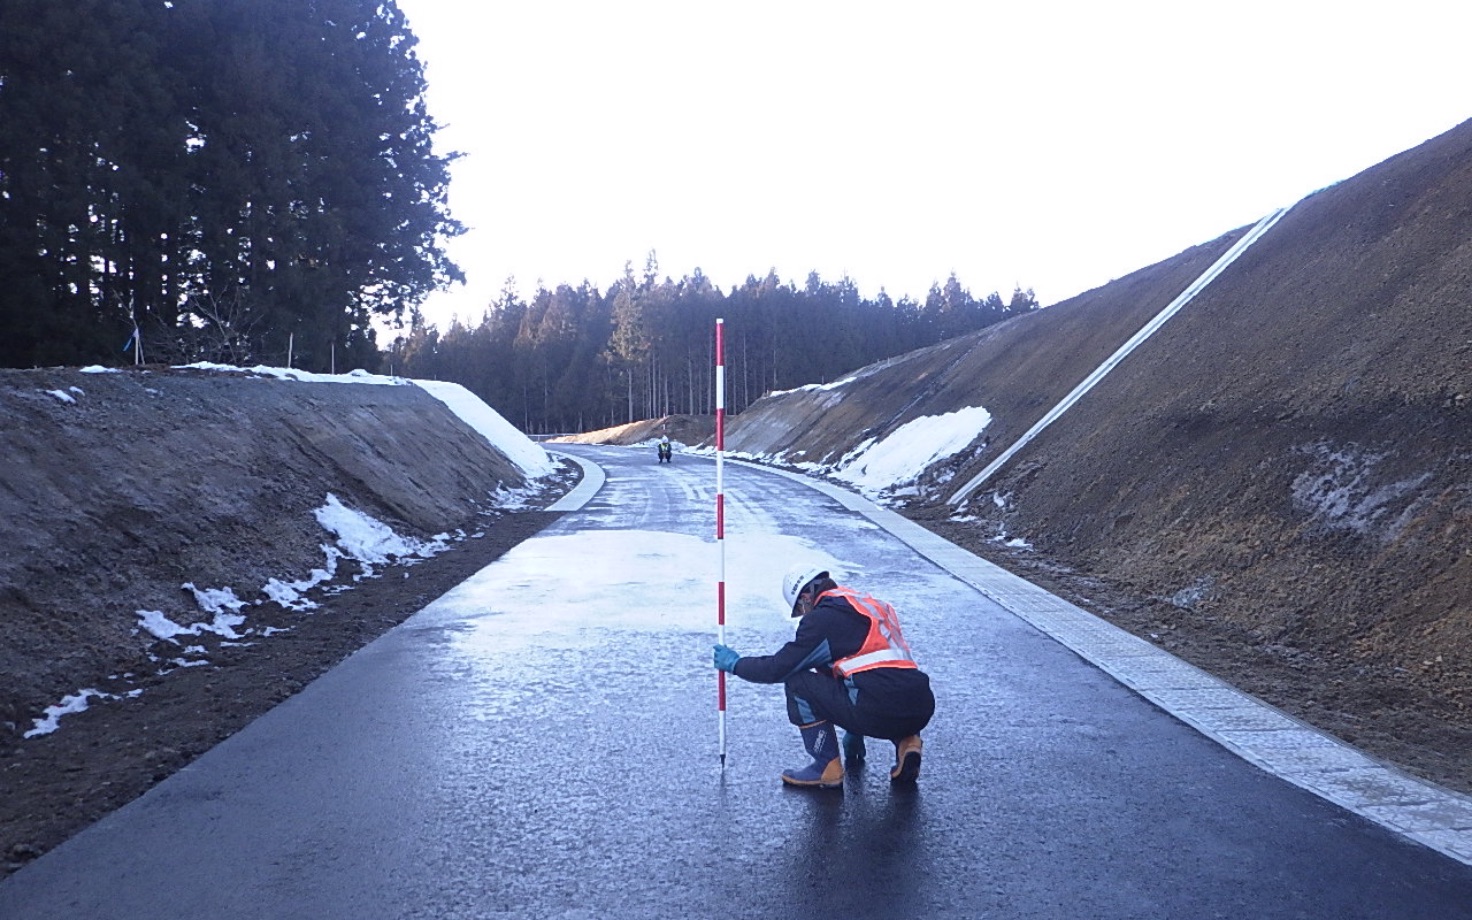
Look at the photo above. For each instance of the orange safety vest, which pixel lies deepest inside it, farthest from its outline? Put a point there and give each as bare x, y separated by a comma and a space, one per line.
884, 646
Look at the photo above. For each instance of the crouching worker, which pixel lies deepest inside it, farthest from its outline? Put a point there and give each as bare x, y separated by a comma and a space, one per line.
848, 667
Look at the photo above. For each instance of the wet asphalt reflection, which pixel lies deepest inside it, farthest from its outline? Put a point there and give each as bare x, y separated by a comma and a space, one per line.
542, 742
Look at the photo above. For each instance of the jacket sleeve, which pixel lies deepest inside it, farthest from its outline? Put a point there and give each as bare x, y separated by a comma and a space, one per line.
810, 648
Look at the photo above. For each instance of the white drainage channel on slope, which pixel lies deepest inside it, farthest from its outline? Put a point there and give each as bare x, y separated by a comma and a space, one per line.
1145, 332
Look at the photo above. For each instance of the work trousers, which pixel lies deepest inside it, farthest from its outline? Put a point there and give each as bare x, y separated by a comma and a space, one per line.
891, 705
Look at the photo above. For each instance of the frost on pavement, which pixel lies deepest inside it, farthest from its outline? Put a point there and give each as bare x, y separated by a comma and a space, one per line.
626, 580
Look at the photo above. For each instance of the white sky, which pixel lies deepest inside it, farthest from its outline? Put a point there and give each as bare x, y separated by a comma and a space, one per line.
1056, 145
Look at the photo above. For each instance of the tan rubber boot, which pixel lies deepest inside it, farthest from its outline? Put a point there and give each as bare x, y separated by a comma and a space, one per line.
906, 760
826, 770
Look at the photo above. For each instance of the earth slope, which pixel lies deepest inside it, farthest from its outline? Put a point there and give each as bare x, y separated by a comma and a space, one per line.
1276, 486
119, 489
681, 429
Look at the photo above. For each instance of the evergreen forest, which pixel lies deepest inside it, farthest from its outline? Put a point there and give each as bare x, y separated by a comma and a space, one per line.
243, 181
256, 182
575, 359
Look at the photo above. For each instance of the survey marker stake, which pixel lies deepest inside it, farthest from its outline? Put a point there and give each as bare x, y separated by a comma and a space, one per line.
721, 523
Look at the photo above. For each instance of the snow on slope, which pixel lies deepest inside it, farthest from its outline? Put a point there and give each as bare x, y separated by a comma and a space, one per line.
521, 450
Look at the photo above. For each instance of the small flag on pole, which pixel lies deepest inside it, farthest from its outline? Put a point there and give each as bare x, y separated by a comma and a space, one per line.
135, 342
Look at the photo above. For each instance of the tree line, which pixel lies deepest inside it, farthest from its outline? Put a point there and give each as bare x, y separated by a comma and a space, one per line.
577, 358
256, 181
231, 178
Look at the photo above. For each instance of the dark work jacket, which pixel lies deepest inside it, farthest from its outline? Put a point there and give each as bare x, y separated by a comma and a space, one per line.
832, 631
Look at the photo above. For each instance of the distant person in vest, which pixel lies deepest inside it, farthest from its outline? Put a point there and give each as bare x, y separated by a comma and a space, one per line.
848, 667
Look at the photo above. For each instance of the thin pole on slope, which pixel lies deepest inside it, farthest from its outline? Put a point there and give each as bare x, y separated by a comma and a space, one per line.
721, 523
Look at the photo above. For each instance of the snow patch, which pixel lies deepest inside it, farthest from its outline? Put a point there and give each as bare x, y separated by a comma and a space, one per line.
74, 703
369, 540
215, 600
512, 500
1343, 491
290, 373
161, 627
289, 593
527, 455
900, 458
814, 387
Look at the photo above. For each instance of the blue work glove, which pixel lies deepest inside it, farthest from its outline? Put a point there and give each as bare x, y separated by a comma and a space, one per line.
725, 659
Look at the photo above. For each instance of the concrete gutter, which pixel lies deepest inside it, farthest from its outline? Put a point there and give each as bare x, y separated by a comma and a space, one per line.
587, 487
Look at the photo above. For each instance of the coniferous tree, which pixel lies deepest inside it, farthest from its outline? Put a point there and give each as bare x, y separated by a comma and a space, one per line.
572, 359
228, 175
83, 97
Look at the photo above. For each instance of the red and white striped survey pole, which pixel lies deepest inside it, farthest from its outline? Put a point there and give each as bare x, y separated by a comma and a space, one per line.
721, 522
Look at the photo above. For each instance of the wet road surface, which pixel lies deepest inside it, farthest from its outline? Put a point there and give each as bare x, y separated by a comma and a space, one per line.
541, 742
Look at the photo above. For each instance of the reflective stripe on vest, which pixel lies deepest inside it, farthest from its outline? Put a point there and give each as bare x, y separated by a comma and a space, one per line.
884, 646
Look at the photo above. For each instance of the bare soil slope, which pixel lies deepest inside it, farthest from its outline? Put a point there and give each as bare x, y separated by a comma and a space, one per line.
683, 429
118, 489
1277, 485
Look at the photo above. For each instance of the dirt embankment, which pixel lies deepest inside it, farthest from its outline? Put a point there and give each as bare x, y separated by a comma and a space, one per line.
118, 489
682, 429
1276, 486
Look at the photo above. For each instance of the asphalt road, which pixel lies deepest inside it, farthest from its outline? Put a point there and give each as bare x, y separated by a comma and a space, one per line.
497, 757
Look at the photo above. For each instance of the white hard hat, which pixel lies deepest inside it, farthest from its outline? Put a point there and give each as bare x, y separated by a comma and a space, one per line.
797, 578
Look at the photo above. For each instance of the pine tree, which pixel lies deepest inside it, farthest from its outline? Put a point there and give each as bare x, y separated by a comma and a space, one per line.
230, 175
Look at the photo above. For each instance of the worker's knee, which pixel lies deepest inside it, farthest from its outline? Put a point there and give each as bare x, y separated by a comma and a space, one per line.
800, 710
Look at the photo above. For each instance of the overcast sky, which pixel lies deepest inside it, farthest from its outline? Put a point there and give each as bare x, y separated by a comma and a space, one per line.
1052, 145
